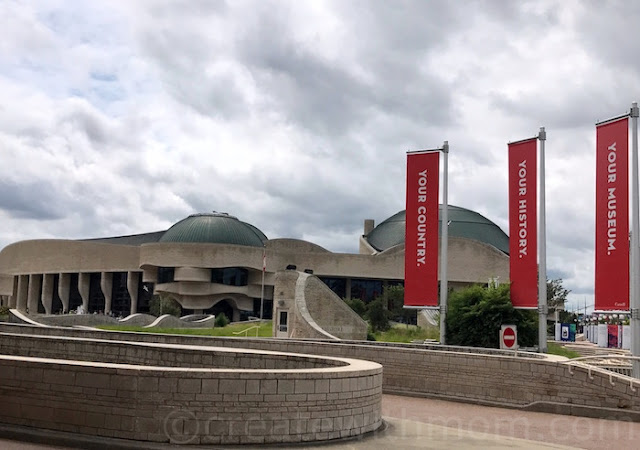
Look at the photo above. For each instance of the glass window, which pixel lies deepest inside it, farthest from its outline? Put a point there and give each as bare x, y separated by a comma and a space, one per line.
166, 274
120, 298
96, 297
230, 276
365, 290
337, 285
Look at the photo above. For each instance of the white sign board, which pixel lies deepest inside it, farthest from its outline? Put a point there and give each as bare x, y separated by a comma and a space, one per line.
626, 337
603, 335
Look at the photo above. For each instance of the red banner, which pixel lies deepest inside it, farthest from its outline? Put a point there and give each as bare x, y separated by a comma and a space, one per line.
523, 224
612, 216
421, 233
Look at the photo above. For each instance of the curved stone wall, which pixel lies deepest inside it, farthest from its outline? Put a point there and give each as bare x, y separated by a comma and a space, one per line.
462, 374
184, 394
494, 377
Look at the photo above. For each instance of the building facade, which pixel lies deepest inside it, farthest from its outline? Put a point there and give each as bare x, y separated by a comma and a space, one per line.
216, 263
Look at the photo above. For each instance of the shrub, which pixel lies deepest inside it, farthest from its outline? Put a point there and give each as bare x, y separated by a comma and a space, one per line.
160, 305
370, 335
357, 306
378, 315
221, 320
476, 314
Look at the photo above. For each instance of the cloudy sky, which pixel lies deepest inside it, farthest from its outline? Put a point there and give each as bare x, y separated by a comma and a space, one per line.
122, 117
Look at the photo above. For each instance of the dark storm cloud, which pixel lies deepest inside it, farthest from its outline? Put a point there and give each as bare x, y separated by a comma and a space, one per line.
290, 207
35, 200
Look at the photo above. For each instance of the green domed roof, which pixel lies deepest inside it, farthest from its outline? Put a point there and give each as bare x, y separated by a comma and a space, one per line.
464, 223
214, 228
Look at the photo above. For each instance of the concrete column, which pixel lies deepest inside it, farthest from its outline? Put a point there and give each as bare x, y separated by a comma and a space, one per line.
14, 295
347, 288
84, 282
35, 283
106, 284
23, 293
64, 290
132, 286
47, 292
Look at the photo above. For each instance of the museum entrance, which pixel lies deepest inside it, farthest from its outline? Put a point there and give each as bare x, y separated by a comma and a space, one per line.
222, 307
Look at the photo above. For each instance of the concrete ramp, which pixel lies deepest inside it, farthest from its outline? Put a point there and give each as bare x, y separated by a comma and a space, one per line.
169, 321
16, 316
138, 320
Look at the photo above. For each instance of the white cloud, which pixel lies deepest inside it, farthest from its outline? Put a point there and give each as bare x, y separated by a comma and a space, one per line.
124, 117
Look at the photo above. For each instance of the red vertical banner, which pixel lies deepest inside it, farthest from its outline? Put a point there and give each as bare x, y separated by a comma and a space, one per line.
612, 216
523, 223
421, 233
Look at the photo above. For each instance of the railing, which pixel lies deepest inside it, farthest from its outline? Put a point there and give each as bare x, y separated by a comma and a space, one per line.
246, 332
607, 362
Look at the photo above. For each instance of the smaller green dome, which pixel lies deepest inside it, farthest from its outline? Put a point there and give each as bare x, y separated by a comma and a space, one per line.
214, 228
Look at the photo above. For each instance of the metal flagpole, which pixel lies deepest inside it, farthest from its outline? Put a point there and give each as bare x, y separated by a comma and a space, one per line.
444, 290
634, 304
264, 269
542, 253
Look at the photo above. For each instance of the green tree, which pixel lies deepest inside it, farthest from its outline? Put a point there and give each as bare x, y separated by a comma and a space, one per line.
475, 315
163, 304
556, 294
378, 315
395, 303
357, 305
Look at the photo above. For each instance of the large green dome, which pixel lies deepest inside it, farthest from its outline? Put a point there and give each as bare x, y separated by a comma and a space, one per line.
463, 223
214, 228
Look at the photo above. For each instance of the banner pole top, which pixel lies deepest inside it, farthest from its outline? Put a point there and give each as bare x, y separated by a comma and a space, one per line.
542, 135
444, 149
522, 140
615, 119
415, 152
635, 112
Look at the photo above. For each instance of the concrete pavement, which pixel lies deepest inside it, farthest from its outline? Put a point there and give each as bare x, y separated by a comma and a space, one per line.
434, 424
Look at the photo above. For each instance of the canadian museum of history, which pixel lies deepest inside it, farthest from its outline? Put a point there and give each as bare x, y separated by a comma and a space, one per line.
213, 263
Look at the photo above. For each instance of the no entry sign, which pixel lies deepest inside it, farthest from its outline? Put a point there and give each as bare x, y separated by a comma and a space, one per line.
508, 337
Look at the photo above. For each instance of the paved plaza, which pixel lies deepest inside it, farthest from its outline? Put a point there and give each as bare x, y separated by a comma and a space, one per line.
435, 424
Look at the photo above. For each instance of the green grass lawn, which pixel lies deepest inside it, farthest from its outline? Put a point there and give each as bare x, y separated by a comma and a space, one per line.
264, 330
557, 349
403, 333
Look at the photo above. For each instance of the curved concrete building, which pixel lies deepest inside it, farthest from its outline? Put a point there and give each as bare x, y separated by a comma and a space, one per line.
214, 263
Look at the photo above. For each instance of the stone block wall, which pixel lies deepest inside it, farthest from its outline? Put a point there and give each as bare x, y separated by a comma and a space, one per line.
492, 378
179, 398
148, 354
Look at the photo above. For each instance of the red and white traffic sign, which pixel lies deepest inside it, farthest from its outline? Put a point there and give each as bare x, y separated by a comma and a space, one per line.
508, 337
